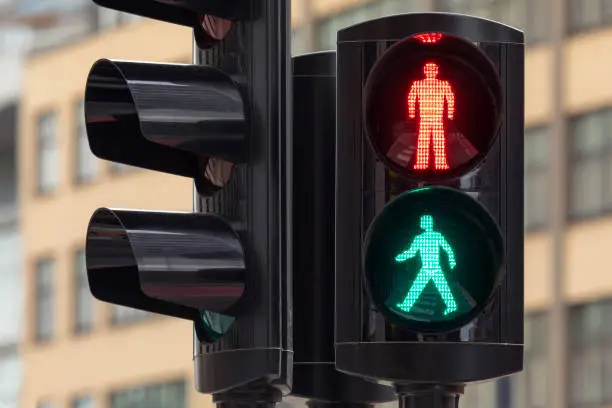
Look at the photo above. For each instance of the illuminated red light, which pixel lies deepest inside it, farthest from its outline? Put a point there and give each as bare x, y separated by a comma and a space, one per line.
429, 38
430, 94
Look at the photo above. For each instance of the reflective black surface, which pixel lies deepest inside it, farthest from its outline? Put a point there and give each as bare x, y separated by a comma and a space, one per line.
256, 353
165, 117
164, 262
183, 12
366, 343
314, 141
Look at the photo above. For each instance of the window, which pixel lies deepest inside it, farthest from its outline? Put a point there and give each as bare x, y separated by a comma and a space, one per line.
299, 41
10, 373
86, 162
590, 334
44, 300
536, 177
163, 395
532, 16
588, 14
125, 315
83, 402
530, 387
48, 153
590, 164
83, 302
327, 28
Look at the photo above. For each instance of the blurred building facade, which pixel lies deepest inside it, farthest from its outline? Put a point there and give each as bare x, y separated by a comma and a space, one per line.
76, 352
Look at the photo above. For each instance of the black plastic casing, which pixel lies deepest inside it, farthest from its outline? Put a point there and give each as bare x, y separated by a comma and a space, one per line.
314, 139
491, 345
257, 349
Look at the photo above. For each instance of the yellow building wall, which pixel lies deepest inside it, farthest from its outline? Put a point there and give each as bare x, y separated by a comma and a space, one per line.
109, 357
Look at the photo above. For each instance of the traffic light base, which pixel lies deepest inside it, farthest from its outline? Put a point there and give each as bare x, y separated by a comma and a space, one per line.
429, 396
325, 387
260, 375
429, 362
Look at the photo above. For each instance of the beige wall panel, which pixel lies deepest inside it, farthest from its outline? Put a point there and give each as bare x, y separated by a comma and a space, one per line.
588, 261
321, 8
538, 85
588, 63
299, 12
537, 271
125, 357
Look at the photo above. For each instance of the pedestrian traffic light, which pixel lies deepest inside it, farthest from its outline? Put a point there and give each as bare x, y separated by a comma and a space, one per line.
223, 122
429, 196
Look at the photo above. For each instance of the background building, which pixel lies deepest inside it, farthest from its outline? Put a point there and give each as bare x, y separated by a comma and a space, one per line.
73, 348
76, 351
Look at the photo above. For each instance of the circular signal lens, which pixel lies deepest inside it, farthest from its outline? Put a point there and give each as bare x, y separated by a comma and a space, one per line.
432, 259
214, 326
432, 107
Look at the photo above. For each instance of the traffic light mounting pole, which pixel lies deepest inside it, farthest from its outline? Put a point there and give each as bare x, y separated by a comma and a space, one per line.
315, 377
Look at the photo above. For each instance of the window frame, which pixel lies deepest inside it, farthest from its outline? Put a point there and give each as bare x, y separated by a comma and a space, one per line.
600, 343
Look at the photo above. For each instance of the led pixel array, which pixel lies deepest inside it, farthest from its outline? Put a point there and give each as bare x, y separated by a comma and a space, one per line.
430, 94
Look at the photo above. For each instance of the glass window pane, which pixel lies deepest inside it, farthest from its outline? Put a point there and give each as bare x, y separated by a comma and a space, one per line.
537, 379
83, 402
299, 41
536, 199
537, 26
584, 14
163, 395
513, 13
44, 300
84, 309
586, 189
607, 371
586, 377
607, 10
86, 162
518, 390
48, 153
589, 134
537, 147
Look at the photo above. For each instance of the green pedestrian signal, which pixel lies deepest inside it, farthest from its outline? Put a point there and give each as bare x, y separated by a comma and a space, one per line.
433, 259
428, 244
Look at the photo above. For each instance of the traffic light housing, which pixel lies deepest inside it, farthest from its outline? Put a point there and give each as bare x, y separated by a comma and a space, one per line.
315, 377
429, 196
223, 122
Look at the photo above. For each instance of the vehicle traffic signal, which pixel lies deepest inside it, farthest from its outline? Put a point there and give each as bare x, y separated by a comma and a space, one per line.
315, 377
429, 196
223, 122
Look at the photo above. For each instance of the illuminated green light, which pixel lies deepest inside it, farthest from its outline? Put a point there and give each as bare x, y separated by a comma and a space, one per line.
428, 244
432, 259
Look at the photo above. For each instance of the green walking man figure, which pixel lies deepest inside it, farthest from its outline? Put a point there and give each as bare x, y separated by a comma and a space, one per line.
428, 244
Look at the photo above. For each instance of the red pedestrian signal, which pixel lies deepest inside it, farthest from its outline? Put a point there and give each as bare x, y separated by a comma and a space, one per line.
429, 95
433, 107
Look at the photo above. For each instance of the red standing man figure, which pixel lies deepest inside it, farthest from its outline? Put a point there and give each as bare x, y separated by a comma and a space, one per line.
431, 93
